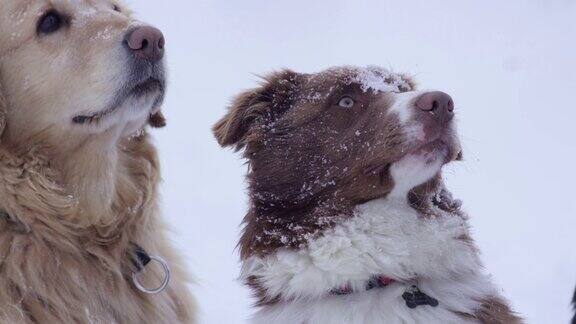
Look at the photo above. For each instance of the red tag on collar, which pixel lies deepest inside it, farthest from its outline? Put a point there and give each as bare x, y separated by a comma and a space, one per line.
385, 281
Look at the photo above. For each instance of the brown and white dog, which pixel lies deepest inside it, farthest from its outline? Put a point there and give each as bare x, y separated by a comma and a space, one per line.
79, 219
349, 221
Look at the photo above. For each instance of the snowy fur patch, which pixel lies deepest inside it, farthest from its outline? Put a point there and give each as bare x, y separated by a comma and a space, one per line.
387, 237
378, 79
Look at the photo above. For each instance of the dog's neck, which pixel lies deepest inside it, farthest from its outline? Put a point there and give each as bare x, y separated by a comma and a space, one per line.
271, 227
88, 166
90, 174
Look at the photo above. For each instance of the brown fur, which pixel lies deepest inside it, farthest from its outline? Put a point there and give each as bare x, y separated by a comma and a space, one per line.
494, 311
311, 162
157, 120
497, 311
260, 294
277, 125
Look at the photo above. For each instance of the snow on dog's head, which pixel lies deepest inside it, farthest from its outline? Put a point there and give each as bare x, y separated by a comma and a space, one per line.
320, 144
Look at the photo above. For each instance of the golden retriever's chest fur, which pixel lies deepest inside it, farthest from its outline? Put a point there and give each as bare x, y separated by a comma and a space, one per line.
54, 270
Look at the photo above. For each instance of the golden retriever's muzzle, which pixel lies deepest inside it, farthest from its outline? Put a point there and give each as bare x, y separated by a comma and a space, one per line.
145, 72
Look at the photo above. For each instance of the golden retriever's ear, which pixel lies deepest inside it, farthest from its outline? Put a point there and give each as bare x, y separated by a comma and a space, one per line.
260, 105
157, 120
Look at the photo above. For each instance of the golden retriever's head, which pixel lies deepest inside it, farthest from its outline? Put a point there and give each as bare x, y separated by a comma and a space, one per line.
71, 69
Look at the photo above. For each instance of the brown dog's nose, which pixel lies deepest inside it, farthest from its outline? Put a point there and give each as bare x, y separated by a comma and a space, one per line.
438, 103
146, 42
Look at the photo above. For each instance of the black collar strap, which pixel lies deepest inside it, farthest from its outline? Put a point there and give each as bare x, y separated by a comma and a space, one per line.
140, 259
413, 296
375, 282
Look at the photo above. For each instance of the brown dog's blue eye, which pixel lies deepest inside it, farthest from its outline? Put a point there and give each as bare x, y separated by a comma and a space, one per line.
346, 102
50, 22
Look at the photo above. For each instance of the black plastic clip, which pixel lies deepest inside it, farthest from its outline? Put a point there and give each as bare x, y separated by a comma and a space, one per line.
414, 298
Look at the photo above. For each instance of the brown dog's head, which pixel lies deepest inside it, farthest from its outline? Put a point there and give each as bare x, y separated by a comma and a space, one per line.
335, 139
72, 69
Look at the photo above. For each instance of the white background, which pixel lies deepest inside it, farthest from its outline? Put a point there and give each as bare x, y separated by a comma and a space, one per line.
510, 66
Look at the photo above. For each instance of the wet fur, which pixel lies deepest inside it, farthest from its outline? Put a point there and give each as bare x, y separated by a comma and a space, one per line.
74, 199
55, 269
327, 208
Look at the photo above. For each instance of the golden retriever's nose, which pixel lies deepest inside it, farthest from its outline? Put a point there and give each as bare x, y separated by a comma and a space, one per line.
146, 42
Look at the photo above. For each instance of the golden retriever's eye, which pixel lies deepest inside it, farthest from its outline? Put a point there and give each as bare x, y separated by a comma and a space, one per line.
50, 22
346, 102
116, 8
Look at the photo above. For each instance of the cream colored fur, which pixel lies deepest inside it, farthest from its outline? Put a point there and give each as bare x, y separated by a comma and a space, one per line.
77, 196
57, 269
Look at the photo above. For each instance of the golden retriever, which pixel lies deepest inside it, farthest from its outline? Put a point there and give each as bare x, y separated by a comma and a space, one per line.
79, 222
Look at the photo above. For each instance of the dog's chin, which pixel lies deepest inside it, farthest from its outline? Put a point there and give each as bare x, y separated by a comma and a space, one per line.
435, 150
127, 106
442, 145
419, 165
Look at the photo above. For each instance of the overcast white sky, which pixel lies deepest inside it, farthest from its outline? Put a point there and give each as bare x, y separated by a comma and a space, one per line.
509, 65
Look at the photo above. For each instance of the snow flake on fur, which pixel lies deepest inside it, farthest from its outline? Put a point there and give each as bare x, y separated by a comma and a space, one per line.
385, 237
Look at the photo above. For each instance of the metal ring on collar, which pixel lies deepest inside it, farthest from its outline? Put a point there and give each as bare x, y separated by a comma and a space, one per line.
165, 280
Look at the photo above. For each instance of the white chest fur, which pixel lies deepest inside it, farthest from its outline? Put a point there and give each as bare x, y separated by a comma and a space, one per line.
385, 237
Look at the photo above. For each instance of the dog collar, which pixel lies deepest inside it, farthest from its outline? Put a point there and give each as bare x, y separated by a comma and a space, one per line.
140, 259
412, 296
374, 282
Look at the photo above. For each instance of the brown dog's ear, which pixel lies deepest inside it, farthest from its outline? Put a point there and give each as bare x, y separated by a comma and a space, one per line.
157, 120
265, 103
